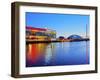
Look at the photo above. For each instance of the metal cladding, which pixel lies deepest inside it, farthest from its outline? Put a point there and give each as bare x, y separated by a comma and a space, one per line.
74, 37
33, 28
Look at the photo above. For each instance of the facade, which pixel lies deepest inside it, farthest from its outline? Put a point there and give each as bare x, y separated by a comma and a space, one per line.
40, 33
74, 37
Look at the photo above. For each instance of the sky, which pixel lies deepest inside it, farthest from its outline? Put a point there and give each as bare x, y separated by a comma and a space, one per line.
64, 24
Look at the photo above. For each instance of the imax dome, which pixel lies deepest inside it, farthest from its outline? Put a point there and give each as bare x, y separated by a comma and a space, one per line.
74, 37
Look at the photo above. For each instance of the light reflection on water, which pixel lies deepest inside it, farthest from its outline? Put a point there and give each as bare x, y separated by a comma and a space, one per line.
54, 54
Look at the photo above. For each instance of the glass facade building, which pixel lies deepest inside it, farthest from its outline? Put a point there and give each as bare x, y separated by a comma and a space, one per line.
40, 33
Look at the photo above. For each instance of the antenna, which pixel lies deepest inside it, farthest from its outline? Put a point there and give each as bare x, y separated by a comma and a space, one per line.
86, 31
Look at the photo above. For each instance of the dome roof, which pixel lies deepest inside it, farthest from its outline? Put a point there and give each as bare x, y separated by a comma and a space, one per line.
74, 37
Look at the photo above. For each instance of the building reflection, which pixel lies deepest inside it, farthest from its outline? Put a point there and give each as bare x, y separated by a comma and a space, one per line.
38, 54
49, 55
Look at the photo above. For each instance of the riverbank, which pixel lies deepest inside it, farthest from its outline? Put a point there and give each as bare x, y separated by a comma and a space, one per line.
49, 41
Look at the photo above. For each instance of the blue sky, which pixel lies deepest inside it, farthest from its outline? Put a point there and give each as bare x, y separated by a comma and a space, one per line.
64, 24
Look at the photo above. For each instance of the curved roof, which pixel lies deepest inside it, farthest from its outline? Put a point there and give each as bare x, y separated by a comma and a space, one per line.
74, 37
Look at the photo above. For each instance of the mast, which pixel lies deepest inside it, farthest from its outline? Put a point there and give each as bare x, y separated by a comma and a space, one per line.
86, 31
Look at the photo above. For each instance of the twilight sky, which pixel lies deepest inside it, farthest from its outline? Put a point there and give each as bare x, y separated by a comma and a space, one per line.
64, 24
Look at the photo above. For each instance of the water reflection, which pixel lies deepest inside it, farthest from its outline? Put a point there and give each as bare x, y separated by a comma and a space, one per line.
52, 54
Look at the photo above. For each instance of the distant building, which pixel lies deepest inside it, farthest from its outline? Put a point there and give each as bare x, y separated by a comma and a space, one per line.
61, 37
40, 33
74, 37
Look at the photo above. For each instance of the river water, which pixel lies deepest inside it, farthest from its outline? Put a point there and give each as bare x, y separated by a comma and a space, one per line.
57, 53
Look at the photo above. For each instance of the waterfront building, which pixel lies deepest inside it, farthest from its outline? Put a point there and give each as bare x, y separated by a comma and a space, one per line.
74, 37
40, 33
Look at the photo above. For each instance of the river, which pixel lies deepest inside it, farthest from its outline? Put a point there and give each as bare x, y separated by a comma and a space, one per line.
57, 54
